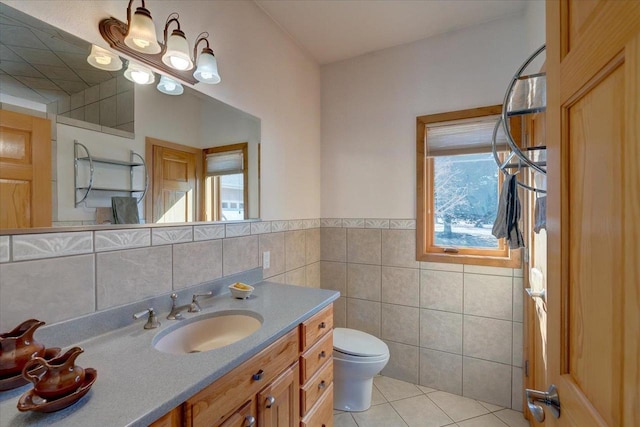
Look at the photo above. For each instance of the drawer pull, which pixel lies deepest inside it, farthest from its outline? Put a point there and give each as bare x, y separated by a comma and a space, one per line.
251, 421
258, 375
322, 354
270, 401
322, 385
322, 325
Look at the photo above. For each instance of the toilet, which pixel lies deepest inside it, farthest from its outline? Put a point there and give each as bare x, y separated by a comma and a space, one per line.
357, 358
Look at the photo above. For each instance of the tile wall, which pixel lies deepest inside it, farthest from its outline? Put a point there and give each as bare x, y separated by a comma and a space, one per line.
456, 328
59, 276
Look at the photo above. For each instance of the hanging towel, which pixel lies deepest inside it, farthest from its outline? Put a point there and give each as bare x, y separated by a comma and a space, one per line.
506, 223
125, 210
540, 214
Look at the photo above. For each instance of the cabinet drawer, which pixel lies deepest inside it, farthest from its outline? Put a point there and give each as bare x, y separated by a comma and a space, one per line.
315, 357
315, 327
316, 387
321, 415
211, 405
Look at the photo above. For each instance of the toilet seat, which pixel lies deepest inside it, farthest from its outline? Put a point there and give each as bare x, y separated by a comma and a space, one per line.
357, 345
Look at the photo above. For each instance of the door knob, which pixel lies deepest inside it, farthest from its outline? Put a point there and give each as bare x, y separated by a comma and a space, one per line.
251, 421
549, 398
537, 294
270, 401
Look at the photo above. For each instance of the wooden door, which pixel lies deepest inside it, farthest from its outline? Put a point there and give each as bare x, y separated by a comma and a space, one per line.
243, 417
25, 171
278, 402
593, 139
174, 183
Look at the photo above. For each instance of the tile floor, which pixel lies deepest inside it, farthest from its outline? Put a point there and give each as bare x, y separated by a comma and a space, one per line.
397, 403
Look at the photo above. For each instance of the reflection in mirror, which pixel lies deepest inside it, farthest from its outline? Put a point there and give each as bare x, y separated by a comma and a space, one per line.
98, 112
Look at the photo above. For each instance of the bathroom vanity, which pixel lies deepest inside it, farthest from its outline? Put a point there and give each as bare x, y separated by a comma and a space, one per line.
281, 375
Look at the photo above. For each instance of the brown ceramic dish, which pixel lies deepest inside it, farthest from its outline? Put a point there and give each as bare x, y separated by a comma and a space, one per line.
30, 401
15, 381
61, 376
17, 347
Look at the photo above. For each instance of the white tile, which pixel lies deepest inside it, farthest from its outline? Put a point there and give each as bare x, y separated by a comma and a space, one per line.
400, 323
489, 381
393, 389
207, 255
279, 226
333, 275
239, 254
517, 389
426, 390
364, 316
353, 222
344, 419
441, 266
491, 407
260, 227
494, 271
331, 222
208, 232
488, 420
457, 407
399, 248
379, 416
518, 302
36, 246
364, 246
488, 296
311, 223
237, 230
333, 244
517, 344
512, 418
376, 397
402, 224
110, 240
363, 281
440, 330
296, 224
170, 235
376, 223
401, 286
488, 339
440, 370
4, 248
441, 290
403, 362
420, 411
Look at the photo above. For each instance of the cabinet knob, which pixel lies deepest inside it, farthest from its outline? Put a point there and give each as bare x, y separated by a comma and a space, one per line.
270, 400
322, 354
251, 421
322, 385
258, 375
322, 325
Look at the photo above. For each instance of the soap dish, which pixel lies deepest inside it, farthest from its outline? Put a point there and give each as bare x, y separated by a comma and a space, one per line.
15, 381
241, 290
30, 401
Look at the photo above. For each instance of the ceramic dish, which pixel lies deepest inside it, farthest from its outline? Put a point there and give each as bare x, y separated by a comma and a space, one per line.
241, 290
30, 401
16, 381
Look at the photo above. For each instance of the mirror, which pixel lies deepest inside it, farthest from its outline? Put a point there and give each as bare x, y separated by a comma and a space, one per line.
137, 116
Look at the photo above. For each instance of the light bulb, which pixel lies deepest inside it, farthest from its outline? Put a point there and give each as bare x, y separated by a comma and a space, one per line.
170, 86
179, 63
206, 76
140, 77
103, 60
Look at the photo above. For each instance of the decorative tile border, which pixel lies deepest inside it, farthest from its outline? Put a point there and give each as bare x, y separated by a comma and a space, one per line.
208, 232
331, 222
110, 240
296, 224
277, 226
170, 235
353, 222
402, 224
37, 246
261, 227
4, 248
311, 223
376, 223
237, 230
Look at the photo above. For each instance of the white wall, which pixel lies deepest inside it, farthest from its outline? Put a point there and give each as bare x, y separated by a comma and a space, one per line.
370, 104
263, 72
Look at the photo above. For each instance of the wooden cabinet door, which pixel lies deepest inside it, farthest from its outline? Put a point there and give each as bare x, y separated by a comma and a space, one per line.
25, 171
593, 133
278, 402
243, 417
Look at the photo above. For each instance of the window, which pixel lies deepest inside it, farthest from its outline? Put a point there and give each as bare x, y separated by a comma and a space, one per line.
458, 189
225, 179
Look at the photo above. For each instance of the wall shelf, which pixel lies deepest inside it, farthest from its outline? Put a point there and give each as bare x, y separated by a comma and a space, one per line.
82, 191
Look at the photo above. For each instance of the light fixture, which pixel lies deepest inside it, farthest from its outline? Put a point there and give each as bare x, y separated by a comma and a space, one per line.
176, 54
141, 33
103, 59
207, 69
139, 74
136, 39
169, 86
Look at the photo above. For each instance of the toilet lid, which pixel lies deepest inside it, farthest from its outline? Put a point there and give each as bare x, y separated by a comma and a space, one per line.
358, 343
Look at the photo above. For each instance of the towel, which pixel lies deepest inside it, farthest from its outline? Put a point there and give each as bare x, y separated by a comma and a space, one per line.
506, 223
125, 210
540, 214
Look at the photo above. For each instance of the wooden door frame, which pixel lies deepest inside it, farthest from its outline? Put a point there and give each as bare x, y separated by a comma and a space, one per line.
150, 143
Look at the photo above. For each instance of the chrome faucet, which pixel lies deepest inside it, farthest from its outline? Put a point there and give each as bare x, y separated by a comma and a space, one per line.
152, 320
175, 313
194, 306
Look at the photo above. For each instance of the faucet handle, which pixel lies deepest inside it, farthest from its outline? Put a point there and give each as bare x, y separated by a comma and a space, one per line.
152, 320
195, 307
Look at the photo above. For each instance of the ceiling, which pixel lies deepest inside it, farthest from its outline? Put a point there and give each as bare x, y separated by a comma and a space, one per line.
333, 30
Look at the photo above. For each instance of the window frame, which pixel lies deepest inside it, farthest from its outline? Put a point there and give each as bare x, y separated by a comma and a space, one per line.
215, 209
426, 250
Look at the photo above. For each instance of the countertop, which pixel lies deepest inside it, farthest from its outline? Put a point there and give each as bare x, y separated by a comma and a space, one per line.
137, 384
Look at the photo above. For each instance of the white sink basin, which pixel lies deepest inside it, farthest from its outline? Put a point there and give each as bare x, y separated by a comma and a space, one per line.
207, 332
